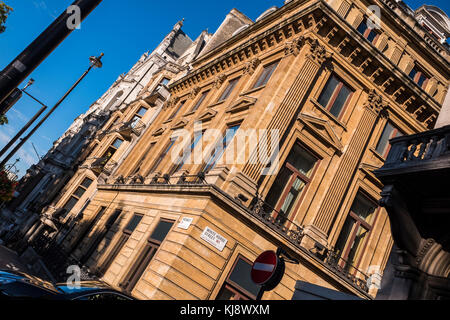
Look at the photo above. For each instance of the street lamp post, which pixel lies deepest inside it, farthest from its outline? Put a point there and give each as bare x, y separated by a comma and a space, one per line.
40, 48
95, 62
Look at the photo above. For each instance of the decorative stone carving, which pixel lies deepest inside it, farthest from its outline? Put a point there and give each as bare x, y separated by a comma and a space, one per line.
294, 46
219, 80
374, 101
171, 102
251, 66
194, 92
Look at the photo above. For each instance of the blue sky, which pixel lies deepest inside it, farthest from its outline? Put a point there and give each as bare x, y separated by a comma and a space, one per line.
123, 30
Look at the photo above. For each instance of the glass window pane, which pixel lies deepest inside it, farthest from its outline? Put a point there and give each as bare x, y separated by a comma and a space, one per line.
79, 192
165, 81
421, 80
177, 110
364, 208
71, 203
371, 36
142, 111
161, 230
356, 246
117, 143
200, 101
362, 27
86, 182
302, 160
278, 186
225, 294
230, 133
328, 91
265, 75
413, 73
241, 277
340, 102
344, 236
291, 198
384, 140
132, 225
228, 90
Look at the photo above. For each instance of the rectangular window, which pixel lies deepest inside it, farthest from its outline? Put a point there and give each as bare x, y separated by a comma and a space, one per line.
127, 232
357, 226
151, 247
335, 96
228, 90
291, 183
143, 159
78, 193
173, 115
200, 101
370, 34
389, 132
239, 285
162, 156
218, 152
265, 74
138, 116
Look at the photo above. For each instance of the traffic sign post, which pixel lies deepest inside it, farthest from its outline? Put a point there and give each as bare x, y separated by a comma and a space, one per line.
268, 270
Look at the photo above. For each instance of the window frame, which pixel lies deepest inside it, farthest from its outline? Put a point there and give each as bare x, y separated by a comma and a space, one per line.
265, 75
394, 134
74, 196
235, 287
335, 94
226, 93
357, 223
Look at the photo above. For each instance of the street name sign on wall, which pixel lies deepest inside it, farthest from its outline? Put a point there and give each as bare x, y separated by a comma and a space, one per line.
214, 239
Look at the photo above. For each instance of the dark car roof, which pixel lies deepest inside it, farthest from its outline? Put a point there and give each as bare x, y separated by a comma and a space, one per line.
29, 279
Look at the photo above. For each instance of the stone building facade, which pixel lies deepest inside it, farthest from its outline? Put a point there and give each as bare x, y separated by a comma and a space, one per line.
44, 181
265, 136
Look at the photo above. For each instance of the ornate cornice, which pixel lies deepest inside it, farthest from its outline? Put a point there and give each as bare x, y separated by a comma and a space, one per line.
294, 47
251, 66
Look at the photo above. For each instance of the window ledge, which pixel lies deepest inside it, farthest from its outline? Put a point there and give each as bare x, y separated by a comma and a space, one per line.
328, 113
216, 104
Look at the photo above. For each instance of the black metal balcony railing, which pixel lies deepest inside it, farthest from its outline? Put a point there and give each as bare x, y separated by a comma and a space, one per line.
415, 150
276, 221
345, 269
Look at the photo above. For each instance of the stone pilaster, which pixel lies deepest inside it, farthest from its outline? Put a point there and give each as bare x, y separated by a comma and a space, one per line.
349, 163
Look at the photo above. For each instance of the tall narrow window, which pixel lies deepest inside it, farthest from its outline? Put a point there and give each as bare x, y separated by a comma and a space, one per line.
174, 114
200, 101
229, 89
162, 155
356, 228
101, 235
239, 285
369, 33
265, 74
389, 132
218, 151
127, 232
78, 193
291, 183
335, 96
88, 229
137, 169
142, 262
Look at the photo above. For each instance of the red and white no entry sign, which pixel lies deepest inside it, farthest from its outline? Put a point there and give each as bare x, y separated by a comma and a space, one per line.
264, 267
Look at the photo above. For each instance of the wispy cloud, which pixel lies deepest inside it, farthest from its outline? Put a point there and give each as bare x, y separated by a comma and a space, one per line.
19, 115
